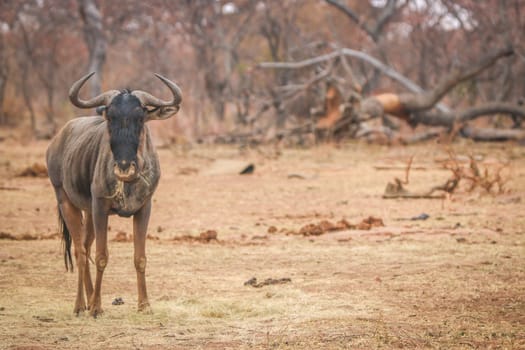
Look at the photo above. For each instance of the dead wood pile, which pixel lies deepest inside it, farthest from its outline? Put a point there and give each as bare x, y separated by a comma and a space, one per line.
345, 112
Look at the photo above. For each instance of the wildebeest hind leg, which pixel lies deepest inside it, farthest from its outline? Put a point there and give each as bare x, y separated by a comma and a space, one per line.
73, 219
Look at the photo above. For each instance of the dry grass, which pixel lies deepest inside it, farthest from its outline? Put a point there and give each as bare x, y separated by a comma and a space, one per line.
452, 281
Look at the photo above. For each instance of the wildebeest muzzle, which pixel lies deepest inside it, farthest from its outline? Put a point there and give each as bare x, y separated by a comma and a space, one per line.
125, 170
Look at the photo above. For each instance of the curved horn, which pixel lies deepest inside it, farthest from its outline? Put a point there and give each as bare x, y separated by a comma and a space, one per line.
102, 99
150, 100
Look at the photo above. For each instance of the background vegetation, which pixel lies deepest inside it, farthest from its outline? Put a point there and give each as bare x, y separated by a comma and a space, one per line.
213, 50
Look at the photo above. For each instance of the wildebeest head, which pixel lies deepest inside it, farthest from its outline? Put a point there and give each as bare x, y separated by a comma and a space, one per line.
126, 112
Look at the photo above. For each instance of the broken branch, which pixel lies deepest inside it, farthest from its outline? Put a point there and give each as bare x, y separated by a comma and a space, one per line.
387, 70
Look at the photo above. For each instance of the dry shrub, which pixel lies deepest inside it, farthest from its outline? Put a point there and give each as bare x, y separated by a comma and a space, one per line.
488, 177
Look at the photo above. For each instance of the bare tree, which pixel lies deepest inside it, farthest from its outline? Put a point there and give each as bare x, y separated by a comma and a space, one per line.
95, 41
4, 70
8, 16
215, 33
373, 28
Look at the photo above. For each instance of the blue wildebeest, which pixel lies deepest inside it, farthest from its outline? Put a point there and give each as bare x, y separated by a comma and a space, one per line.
104, 165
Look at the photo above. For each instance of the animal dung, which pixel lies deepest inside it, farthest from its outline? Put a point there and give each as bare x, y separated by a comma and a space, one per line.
118, 301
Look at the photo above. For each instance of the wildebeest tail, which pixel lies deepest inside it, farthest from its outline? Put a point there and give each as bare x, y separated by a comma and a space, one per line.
66, 242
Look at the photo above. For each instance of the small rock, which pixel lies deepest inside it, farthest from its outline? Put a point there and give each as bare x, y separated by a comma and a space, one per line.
251, 282
422, 216
248, 170
118, 301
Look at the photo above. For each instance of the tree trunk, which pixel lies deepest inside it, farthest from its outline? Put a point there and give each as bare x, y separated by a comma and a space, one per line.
3, 78
24, 66
449, 119
28, 98
95, 40
3, 82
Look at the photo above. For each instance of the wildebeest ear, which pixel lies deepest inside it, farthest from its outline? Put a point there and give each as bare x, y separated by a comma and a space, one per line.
100, 110
162, 113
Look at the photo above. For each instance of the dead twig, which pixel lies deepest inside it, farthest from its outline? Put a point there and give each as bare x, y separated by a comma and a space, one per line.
397, 190
7, 188
269, 281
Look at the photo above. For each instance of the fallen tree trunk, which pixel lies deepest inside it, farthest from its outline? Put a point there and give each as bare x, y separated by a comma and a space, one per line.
417, 106
449, 119
492, 134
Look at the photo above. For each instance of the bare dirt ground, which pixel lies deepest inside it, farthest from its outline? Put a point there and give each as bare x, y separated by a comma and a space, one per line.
453, 281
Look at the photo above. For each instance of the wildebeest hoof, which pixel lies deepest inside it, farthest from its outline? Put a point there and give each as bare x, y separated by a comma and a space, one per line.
78, 310
145, 308
96, 311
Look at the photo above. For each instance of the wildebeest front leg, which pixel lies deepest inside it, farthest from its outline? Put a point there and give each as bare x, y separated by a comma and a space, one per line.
73, 219
100, 224
88, 241
140, 228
